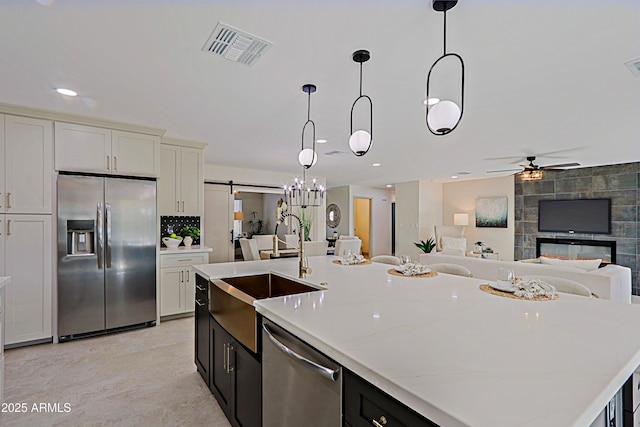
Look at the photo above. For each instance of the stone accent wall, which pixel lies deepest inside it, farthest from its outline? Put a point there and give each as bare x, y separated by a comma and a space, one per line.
619, 182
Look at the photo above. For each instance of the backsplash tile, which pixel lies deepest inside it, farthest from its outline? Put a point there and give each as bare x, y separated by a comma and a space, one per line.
177, 222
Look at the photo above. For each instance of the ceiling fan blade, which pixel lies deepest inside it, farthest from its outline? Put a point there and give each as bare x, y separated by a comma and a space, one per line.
506, 170
560, 165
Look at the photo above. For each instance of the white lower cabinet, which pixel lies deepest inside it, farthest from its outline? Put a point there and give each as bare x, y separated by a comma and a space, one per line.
1, 344
178, 282
26, 243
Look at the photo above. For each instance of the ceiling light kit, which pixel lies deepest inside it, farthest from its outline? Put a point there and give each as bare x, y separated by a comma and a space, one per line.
360, 141
308, 156
444, 116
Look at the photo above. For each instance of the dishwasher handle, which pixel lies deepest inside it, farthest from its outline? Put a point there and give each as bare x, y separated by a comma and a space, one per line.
323, 371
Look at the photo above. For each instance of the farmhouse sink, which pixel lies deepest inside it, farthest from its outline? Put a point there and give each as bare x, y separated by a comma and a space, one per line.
231, 302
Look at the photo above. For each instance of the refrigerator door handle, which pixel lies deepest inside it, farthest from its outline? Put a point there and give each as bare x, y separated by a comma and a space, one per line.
107, 208
100, 236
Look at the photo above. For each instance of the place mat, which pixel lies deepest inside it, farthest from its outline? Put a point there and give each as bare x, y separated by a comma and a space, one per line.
488, 289
366, 262
395, 272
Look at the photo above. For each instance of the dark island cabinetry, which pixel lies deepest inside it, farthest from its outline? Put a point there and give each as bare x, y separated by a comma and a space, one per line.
236, 378
202, 329
366, 405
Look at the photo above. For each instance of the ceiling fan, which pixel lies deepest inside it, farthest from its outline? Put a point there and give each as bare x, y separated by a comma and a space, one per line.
533, 167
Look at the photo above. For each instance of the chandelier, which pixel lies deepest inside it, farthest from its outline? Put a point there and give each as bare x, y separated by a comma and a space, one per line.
304, 194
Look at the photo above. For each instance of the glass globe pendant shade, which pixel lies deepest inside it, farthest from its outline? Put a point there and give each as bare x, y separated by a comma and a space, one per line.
360, 142
307, 158
443, 116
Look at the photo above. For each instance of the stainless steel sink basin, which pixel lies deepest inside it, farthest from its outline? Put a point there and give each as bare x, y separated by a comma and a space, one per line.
231, 302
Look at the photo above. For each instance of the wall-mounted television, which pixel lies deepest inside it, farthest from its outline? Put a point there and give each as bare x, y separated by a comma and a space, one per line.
591, 216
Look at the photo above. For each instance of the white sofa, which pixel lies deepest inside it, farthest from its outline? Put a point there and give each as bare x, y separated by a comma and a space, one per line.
612, 282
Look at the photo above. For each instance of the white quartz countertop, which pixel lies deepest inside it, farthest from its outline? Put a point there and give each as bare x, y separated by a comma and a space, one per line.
184, 249
4, 281
455, 354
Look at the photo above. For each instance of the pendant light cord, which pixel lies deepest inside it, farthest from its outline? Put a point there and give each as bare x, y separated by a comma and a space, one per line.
444, 48
361, 79
309, 107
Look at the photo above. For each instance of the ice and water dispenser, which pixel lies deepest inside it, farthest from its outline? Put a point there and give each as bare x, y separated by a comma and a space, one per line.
80, 237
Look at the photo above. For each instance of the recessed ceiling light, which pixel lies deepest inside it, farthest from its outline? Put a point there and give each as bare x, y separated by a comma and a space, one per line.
375, 165
430, 101
321, 141
454, 176
66, 92
389, 185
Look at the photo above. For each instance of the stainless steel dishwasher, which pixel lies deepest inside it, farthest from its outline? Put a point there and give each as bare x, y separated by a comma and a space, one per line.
300, 386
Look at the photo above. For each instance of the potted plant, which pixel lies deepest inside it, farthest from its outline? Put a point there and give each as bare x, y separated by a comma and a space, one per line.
426, 246
189, 234
306, 224
255, 225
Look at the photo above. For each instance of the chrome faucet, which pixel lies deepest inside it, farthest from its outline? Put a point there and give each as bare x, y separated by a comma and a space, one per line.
303, 265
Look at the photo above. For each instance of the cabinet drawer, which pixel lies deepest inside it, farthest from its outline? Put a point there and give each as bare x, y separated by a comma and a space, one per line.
177, 260
364, 403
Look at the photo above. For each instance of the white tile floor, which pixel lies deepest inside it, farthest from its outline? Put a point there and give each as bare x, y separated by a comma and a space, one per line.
145, 377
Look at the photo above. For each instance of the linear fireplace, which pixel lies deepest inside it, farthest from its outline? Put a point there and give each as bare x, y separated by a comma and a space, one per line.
577, 249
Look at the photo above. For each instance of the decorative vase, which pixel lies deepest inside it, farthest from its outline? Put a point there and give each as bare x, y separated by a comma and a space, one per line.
187, 241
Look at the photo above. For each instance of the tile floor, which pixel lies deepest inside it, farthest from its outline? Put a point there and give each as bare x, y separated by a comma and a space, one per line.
145, 378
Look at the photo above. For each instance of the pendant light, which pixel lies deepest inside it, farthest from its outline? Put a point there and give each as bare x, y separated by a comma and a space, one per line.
444, 116
308, 156
360, 141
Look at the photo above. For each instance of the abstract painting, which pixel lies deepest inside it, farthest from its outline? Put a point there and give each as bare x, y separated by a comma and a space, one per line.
491, 212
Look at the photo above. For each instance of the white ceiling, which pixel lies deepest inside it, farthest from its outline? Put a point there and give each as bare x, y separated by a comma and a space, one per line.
542, 76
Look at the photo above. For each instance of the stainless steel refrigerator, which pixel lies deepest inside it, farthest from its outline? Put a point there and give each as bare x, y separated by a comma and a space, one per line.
106, 254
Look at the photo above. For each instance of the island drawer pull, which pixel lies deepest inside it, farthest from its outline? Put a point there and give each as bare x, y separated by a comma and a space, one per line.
229, 348
198, 303
200, 288
382, 421
321, 370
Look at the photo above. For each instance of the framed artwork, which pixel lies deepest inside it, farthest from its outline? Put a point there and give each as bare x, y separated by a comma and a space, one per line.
491, 212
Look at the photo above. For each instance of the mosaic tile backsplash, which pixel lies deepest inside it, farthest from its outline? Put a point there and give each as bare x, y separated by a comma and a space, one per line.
177, 222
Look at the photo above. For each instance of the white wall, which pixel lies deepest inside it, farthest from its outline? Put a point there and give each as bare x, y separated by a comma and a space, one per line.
460, 197
407, 218
430, 209
242, 176
340, 197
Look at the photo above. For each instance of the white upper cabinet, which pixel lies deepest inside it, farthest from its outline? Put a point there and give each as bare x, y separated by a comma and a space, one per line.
191, 181
82, 148
181, 183
135, 153
26, 165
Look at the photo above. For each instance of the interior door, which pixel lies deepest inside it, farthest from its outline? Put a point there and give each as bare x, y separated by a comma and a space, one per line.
362, 223
218, 222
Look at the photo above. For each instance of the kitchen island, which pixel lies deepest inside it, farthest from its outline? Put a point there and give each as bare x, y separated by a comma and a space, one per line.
453, 353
